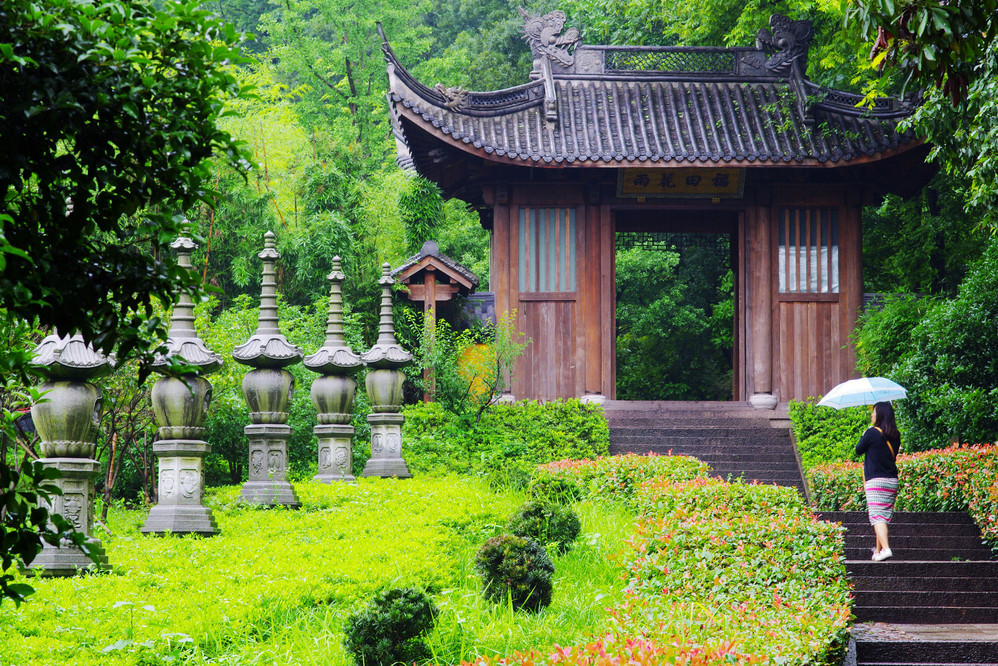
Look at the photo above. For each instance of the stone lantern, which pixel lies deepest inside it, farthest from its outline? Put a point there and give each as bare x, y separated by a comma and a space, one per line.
66, 420
180, 403
333, 393
385, 361
268, 388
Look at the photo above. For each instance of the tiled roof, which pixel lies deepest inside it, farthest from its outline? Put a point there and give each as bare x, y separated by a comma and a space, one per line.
616, 106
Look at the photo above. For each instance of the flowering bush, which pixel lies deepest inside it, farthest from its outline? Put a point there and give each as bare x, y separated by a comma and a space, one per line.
717, 572
618, 477
611, 651
956, 478
745, 565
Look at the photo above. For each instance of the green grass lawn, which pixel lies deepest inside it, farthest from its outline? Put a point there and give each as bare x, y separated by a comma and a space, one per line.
276, 586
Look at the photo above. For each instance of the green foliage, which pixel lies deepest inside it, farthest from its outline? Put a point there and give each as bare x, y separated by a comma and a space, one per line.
950, 51
26, 524
509, 437
618, 478
515, 570
279, 583
674, 324
549, 488
957, 478
838, 56
546, 523
103, 143
951, 367
737, 565
228, 414
421, 206
824, 434
883, 334
458, 370
390, 628
923, 244
331, 46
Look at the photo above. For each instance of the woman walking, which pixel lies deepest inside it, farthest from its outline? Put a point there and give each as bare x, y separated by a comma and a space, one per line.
880, 445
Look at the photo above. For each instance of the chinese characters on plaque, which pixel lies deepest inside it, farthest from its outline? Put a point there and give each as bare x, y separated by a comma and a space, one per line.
681, 182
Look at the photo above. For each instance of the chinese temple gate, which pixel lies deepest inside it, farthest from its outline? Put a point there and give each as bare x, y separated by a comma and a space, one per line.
604, 139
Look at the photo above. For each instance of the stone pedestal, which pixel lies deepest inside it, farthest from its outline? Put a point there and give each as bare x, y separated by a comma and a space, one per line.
386, 447
335, 452
268, 466
76, 505
181, 487
764, 401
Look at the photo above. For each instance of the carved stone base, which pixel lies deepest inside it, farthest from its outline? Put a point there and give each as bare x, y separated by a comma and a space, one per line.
76, 504
69, 560
764, 401
593, 399
178, 519
386, 447
181, 489
268, 465
335, 453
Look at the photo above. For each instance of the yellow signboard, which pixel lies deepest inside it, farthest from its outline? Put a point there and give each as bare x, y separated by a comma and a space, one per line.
684, 182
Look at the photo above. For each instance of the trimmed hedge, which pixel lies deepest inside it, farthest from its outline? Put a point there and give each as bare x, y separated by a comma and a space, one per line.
717, 572
617, 477
824, 434
518, 435
956, 478
734, 564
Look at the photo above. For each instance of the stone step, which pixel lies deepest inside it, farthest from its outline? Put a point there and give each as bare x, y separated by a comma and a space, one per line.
666, 447
865, 568
909, 540
922, 554
921, 599
900, 517
683, 434
684, 429
917, 530
890, 583
927, 614
927, 652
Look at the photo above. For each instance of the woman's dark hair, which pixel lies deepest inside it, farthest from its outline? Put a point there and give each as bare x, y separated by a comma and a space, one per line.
884, 419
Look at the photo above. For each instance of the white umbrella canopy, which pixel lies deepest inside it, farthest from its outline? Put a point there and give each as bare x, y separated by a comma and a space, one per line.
863, 391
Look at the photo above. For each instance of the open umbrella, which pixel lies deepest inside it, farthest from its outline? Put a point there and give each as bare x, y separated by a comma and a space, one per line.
863, 391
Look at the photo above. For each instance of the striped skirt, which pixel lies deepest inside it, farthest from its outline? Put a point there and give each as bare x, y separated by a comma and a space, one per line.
880, 496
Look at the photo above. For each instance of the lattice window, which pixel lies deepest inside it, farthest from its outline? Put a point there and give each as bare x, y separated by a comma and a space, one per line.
547, 249
717, 62
808, 250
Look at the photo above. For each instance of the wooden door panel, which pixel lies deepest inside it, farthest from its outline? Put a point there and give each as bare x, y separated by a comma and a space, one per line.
546, 370
811, 354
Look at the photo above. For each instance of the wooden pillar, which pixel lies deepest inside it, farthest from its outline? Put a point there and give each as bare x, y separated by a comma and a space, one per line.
430, 312
761, 322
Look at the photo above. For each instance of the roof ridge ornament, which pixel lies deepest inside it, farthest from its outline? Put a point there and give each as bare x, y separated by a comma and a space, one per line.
787, 44
547, 43
543, 34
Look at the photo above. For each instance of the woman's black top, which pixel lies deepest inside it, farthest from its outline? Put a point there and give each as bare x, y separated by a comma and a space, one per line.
879, 461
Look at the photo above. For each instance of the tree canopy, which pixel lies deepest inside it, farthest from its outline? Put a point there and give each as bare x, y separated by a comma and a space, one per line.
110, 120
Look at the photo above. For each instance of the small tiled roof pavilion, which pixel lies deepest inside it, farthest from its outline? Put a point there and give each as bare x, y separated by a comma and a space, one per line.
606, 139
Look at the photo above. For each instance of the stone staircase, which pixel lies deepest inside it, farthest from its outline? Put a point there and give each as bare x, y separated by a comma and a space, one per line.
934, 602
732, 437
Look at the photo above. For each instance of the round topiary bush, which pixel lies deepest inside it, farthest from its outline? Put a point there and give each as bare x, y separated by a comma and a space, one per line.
391, 628
517, 568
546, 522
554, 489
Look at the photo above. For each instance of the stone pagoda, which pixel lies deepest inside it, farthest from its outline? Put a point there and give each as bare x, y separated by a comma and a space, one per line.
384, 389
180, 401
268, 388
333, 393
66, 419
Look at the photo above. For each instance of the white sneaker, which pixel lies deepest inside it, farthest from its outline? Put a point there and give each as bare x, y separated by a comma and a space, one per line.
882, 555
